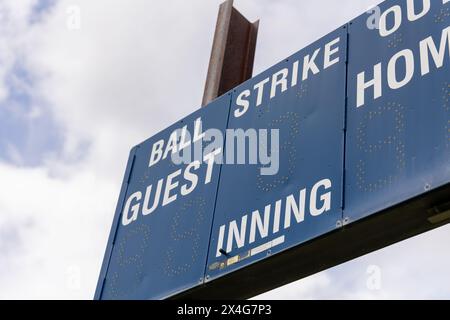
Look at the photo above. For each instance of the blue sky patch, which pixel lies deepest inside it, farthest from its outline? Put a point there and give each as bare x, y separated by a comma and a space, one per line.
40, 9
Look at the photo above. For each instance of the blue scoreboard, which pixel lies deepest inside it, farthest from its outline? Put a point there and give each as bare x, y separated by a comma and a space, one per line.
350, 126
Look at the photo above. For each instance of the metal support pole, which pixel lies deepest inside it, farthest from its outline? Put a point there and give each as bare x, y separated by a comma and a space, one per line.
232, 54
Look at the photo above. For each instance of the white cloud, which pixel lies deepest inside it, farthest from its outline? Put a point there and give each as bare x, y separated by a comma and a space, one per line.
56, 226
309, 288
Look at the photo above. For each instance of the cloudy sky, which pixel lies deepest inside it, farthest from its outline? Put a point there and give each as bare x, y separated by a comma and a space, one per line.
82, 81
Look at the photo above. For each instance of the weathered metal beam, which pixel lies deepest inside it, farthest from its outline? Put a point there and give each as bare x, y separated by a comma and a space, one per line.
232, 54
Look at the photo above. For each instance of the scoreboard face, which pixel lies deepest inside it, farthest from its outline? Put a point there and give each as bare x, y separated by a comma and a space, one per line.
256, 215
159, 239
353, 124
398, 141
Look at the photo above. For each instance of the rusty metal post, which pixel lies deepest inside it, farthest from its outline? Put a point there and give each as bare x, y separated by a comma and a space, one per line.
232, 54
